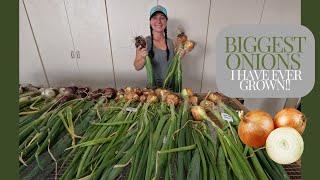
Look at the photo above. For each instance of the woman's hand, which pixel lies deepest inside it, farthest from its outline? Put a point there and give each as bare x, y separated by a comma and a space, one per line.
141, 53
140, 59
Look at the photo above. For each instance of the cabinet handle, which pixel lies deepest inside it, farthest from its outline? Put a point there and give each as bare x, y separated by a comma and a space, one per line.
78, 54
72, 54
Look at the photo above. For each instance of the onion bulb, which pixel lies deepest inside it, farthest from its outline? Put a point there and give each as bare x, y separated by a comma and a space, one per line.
186, 92
290, 117
193, 100
48, 93
189, 45
198, 113
284, 145
172, 99
255, 127
152, 98
140, 41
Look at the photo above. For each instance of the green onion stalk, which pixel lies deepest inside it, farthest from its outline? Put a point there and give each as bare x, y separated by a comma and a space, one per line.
260, 162
173, 77
141, 42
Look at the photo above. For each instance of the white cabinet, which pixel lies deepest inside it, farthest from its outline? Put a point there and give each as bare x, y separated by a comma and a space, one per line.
88, 23
50, 24
30, 68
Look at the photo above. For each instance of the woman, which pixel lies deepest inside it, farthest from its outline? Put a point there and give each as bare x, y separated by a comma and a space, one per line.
160, 48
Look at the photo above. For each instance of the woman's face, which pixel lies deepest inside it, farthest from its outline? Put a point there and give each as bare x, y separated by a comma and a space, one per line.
158, 22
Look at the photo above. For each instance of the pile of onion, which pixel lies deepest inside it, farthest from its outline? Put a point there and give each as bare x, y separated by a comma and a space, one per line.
290, 117
284, 145
255, 127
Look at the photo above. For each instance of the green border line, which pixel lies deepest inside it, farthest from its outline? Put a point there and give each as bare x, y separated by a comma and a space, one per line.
9, 90
9, 78
310, 15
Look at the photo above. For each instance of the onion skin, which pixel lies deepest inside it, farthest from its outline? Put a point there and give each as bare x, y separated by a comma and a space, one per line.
172, 99
255, 127
193, 100
198, 113
290, 117
182, 38
284, 145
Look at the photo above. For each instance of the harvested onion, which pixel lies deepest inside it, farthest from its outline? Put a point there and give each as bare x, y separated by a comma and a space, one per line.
284, 145
48, 93
255, 127
290, 117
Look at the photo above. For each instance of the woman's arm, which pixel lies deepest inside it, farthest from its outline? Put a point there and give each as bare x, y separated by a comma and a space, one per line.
140, 58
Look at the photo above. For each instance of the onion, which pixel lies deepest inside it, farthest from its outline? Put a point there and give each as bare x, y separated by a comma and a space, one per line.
143, 98
216, 98
182, 38
48, 93
284, 145
162, 93
255, 127
131, 96
193, 100
66, 91
290, 117
140, 41
207, 105
110, 93
152, 98
189, 45
186, 92
172, 99
198, 113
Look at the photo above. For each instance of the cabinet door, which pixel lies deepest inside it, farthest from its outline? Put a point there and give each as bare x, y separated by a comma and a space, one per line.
88, 22
192, 15
30, 68
224, 13
128, 19
50, 24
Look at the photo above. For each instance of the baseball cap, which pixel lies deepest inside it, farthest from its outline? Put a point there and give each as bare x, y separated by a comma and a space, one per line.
158, 8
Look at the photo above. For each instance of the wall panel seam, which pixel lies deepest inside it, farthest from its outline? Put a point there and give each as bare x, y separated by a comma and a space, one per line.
205, 46
36, 43
110, 44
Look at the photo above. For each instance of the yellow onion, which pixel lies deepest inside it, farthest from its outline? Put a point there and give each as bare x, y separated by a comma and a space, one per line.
186, 92
290, 117
182, 38
216, 97
131, 96
128, 89
207, 105
152, 98
137, 91
198, 113
255, 127
143, 98
172, 99
189, 45
193, 100
162, 93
